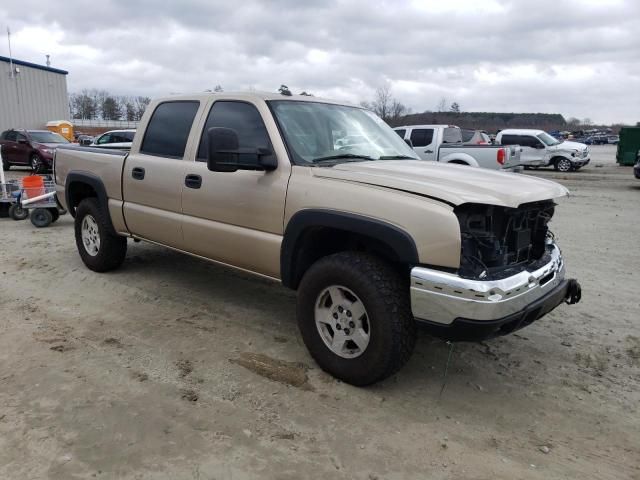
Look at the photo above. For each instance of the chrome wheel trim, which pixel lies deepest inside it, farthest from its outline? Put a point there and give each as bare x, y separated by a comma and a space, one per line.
564, 165
35, 162
342, 322
90, 235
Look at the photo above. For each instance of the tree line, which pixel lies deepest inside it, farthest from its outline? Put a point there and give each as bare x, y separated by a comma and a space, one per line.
97, 104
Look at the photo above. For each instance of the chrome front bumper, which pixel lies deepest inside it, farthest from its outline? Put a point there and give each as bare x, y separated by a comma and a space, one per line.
440, 297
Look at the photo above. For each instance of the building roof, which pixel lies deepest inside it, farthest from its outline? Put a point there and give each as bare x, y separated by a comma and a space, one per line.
33, 65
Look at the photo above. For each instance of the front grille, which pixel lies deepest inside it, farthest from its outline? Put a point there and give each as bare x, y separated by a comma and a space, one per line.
500, 241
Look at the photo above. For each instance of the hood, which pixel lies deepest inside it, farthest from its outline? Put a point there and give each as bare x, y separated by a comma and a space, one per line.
570, 146
453, 184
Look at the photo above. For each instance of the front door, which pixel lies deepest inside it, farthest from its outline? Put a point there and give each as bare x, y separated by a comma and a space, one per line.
153, 176
423, 143
533, 151
237, 217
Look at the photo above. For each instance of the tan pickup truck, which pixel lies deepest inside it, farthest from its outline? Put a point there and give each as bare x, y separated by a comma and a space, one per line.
375, 241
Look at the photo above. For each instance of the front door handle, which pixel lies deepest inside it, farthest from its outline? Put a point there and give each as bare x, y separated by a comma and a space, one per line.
428, 151
193, 181
138, 173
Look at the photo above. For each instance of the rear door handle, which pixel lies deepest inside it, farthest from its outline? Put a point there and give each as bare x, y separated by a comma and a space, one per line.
138, 173
193, 181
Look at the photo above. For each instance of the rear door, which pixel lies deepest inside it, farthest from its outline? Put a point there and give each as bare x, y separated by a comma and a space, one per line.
237, 217
529, 154
15, 152
153, 176
424, 143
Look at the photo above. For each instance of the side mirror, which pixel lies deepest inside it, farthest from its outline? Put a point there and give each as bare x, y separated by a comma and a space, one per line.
225, 155
23, 141
408, 142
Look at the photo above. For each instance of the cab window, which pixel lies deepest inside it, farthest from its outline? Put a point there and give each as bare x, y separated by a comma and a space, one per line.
421, 137
242, 117
168, 130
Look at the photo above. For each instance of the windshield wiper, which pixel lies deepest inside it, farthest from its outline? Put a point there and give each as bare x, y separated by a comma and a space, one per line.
340, 157
397, 157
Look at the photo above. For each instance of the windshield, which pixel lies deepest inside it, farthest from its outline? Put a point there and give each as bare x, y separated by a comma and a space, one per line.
321, 132
47, 137
547, 139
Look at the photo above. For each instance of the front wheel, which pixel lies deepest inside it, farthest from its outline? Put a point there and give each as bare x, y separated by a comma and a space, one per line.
99, 248
355, 318
5, 165
563, 165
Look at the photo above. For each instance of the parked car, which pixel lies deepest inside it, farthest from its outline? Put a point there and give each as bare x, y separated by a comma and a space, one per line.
33, 148
116, 139
443, 143
474, 137
613, 139
636, 168
84, 139
373, 239
539, 149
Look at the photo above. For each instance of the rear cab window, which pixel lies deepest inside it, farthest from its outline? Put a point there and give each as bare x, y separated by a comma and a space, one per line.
168, 130
421, 137
401, 132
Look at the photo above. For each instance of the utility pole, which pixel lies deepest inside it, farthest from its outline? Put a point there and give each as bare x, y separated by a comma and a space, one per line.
10, 56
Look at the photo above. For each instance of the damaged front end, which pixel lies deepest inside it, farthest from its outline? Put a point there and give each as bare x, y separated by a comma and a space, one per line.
498, 242
511, 273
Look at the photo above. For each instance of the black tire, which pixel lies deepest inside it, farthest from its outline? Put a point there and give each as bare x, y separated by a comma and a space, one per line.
5, 165
17, 212
562, 165
112, 248
41, 217
36, 163
385, 296
55, 214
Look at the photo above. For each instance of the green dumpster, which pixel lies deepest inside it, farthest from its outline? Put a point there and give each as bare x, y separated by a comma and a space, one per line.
628, 146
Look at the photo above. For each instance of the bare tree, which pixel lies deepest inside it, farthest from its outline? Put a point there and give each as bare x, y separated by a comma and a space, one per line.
218, 88
455, 107
385, 105
442, 105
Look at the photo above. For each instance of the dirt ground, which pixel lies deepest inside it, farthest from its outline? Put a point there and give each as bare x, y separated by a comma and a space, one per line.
173, 368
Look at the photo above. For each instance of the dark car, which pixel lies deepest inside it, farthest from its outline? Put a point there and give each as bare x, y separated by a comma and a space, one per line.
32, 148
636, 168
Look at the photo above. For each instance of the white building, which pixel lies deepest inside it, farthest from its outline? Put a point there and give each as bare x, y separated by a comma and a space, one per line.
32, 96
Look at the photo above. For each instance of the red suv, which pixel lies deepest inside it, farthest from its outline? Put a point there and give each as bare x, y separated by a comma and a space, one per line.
33, 148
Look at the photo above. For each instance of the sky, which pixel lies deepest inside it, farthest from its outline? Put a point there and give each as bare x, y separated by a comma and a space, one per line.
580, 58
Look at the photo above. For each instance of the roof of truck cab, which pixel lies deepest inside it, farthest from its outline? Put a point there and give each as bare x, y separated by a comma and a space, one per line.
253, 95
521, 131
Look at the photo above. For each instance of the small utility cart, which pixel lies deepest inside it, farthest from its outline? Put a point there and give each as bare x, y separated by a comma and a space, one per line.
34, 192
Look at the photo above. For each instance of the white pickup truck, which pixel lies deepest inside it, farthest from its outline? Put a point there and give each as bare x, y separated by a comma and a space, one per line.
539, 149
443, 143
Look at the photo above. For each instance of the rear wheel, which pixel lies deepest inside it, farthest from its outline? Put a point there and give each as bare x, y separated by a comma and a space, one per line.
17, 212
563, 165
355, 317
99, 249
5, 165
55, 214
41, 217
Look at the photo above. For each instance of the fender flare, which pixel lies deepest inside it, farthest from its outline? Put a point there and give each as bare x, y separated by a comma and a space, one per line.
95, 183
397, 239
462, 157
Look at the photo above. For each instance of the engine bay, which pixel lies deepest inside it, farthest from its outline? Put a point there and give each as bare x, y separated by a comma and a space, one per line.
499, 241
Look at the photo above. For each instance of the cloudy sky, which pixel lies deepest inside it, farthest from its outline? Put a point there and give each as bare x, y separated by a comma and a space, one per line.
576, 57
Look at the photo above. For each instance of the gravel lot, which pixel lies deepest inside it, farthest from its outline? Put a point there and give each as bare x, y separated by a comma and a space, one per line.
157, 370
